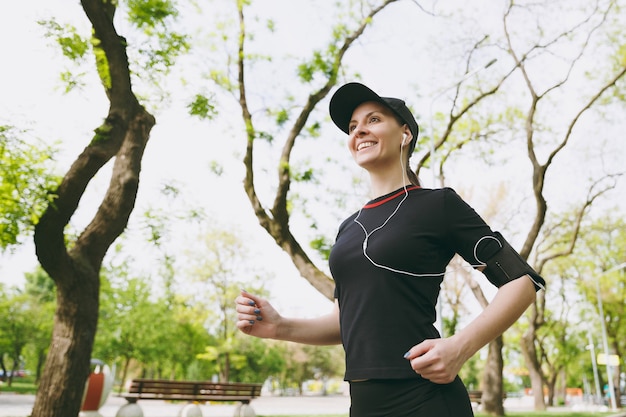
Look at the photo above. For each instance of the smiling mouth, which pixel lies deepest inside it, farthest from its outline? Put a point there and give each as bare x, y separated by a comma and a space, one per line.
365, 145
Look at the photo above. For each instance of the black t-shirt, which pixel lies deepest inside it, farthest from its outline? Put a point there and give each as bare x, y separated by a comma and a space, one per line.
387, 309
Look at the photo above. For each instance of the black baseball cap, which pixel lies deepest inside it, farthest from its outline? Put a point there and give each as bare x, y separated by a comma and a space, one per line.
349, 96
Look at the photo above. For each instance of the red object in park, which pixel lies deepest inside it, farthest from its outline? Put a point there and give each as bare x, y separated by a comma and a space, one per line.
98, 386
95, 385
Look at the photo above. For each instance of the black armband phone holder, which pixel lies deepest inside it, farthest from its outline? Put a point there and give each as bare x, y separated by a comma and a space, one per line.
506, 264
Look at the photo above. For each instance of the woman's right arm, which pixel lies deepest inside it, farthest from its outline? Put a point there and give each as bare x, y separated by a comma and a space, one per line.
257, 317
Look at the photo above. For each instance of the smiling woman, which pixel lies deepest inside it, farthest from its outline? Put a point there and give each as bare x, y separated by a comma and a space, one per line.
388, 262
384, 123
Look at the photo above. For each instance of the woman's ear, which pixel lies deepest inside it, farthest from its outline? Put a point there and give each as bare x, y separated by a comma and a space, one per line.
405, 139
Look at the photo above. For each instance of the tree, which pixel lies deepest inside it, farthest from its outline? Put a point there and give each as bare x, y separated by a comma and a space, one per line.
24, 184
560, 342
486, 115
327, 362
40, 288
544, 137
214, 272
18, 326
135, 325
307, 362
74, 264
26, 324
322, 69
604, 280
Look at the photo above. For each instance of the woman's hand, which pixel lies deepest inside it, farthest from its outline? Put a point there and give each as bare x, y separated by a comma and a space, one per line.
256, 316
438, 360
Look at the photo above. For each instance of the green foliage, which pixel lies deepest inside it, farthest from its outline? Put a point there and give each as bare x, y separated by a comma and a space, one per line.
222, 79
261, 359
305, 362
266, 136
25, 185
281, 116
71, 80
73, 46
314, 129
472, 371
23, 385
102, 133
574, 282
307, 174
203, 107
322, 244
325, 63
153, 52
162, 53
102, 64
213, 271
135, 324
26, 321
150, 13
318, 64
40, 286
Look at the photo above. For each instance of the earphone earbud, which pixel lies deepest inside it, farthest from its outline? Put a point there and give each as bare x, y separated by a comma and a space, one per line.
404, 138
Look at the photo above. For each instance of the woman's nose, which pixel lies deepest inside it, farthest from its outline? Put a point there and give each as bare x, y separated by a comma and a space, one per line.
359, 130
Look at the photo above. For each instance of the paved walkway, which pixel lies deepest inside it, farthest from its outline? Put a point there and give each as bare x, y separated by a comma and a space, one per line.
21, 405
12, 405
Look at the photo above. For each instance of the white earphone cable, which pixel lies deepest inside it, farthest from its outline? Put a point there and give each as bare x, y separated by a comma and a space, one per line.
413, 274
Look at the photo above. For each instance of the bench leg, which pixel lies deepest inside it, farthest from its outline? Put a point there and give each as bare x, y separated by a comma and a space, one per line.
129, 410
244, 410
190, 410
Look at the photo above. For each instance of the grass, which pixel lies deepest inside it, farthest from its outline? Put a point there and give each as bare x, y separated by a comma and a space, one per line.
552, 414
20, 385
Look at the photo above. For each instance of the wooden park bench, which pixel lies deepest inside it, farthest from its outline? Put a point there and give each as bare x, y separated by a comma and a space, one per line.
191, 391
476, 396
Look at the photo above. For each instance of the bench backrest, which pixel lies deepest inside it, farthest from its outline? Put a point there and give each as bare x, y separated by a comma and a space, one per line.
195, 388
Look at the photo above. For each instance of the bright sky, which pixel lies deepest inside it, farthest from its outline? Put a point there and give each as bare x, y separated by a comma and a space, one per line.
31, 96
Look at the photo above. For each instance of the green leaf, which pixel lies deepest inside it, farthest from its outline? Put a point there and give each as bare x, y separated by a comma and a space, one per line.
203, 107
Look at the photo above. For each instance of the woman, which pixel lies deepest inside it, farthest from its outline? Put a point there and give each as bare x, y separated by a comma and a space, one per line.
388, 263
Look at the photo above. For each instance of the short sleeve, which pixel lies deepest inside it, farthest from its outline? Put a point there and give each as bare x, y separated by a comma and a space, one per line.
468, 235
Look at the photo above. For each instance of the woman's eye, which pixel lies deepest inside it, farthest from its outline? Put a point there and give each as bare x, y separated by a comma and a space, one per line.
351, 128
374, 119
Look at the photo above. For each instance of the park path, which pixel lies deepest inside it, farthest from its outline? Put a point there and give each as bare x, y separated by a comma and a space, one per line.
12, 405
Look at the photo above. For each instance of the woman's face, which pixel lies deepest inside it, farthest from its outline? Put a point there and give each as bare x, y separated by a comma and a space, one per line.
375, 136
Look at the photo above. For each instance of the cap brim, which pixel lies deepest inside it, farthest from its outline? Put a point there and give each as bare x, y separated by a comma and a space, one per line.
347, 98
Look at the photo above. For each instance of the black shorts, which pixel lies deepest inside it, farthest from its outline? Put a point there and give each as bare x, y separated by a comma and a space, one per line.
409, 398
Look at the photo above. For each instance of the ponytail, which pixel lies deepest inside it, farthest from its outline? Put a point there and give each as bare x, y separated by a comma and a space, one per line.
412, 176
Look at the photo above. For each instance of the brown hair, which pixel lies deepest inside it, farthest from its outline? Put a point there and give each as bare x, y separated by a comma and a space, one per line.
411, 175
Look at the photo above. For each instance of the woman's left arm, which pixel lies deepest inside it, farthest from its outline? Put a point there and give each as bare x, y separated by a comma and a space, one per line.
440, 360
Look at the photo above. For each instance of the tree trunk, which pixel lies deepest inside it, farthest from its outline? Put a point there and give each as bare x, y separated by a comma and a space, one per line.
124, 373
4, 375
67, 366
276, 220
551, 390
534, 367
41, 360
226, 375
123, 136
492, 384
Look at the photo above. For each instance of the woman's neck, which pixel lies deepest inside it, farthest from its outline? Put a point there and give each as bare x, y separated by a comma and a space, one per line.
381, 185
